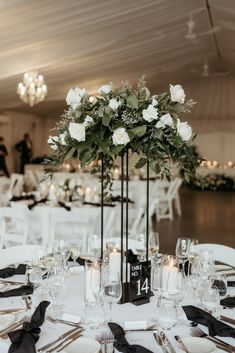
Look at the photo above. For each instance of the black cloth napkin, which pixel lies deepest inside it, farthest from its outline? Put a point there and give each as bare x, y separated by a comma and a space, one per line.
120, 342
79, 260
119, 199
25, 197
17, 292
62, 204
229, 302
131, 257
23, 340
30, 207
231, 283
10, 271
97, 204
215, 326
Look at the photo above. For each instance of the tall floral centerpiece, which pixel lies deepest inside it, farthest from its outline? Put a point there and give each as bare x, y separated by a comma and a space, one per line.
117, 122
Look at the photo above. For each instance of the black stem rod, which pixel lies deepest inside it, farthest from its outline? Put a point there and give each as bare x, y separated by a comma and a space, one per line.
102, 206
147, 213
127, 211
122, 213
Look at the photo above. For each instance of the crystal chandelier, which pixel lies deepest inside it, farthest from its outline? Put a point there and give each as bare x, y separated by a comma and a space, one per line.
33, 89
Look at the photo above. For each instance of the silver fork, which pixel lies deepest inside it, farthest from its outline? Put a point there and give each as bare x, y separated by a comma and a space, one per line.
70, 323
196, 331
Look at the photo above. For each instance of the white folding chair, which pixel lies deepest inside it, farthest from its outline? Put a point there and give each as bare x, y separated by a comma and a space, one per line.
222, 253
20, 253
16, 185
70, 224
164, 202
14, 226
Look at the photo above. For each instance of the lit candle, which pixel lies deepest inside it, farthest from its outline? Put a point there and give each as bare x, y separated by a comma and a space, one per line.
94, 276
88, 194
114, 264
169, 278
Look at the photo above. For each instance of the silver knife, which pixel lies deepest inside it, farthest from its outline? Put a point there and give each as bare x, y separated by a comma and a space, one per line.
167, 343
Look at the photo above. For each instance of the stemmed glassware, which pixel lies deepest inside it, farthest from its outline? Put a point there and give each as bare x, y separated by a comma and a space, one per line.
63, 247
112, 289
140, 246
153, 245
193, 255
75, 249
182, 251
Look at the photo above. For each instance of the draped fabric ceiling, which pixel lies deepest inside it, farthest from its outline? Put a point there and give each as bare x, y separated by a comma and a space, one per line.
90, 42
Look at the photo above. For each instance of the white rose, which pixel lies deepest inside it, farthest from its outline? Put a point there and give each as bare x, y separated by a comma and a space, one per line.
88, 121
150, 114
177, 94
154, 101
165, 120
184, 130
120, 136
74, 97
105, 89
114, 104
77, 131
62, 138
51, 141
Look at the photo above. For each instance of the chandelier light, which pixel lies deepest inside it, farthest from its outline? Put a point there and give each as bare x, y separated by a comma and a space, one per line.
33, 89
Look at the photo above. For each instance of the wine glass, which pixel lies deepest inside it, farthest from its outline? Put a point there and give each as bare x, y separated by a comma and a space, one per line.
193, 255
182, 251
95, 245
112, 290
153, 244
140, 246
75, 249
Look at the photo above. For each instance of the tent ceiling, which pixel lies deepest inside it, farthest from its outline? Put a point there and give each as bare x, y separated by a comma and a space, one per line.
90, 42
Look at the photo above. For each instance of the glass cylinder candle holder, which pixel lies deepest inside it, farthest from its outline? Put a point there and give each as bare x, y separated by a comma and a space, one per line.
169, 275
93, 281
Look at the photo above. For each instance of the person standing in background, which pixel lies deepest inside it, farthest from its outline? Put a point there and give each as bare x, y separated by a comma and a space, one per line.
3, 154
25, 149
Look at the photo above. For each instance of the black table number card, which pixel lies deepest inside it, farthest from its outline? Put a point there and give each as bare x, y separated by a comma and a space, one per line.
140, 282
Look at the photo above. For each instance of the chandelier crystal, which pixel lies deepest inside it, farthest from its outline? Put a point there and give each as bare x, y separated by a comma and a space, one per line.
33, 89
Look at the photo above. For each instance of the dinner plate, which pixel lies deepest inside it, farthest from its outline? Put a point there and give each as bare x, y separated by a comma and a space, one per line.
6, 320
197, 344
84, 345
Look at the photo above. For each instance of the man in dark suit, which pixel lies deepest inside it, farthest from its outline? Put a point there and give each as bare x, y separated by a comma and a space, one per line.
3, 154
25, 149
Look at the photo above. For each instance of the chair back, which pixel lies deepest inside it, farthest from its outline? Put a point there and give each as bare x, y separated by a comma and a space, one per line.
16, 184
13, 226
21, 253
222, 253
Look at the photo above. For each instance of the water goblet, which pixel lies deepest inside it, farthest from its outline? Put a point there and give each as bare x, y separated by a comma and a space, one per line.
210, 300
166, 313
112, 290
153, 245
75, 249
140, 246
182, 251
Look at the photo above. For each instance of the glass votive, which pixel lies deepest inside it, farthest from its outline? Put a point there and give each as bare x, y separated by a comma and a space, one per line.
210, 300
169, 275
220, 283
166, 313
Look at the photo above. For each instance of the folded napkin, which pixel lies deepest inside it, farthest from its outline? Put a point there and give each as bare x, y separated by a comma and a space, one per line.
131, 257
215, 326
62, 204
79, 260
119, 199
23, 340
30, 207
17, 292
231, 283
25, 197
10, 271
229, 302
120, 342
97, 204
136, 325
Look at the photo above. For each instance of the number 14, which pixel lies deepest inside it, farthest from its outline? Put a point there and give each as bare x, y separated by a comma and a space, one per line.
144, 288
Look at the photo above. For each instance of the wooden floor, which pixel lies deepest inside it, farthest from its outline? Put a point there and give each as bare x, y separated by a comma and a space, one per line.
206, 215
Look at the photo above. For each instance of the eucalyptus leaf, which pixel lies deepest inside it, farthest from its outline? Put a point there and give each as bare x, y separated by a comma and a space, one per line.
132, 101
106, 119
138, 131
141, 162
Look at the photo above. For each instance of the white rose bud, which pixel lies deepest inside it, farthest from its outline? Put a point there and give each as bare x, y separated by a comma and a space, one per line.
105, 89
154, 101
120, 136
177, 94
88, 121
51, 141
77, 131
165, 120
184, 130
150, 114
62, 138
74, 97
114, 104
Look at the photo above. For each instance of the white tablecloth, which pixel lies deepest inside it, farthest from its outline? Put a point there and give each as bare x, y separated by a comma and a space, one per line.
73, 299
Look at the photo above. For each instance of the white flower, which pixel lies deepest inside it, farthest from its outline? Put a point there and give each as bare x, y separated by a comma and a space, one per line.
154, 101
105, 89
120, 136
165, 120
150, 114
184, 130
114, 104
88, 121
77, 131
74, 97
62, 138
51, 141
177, 94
